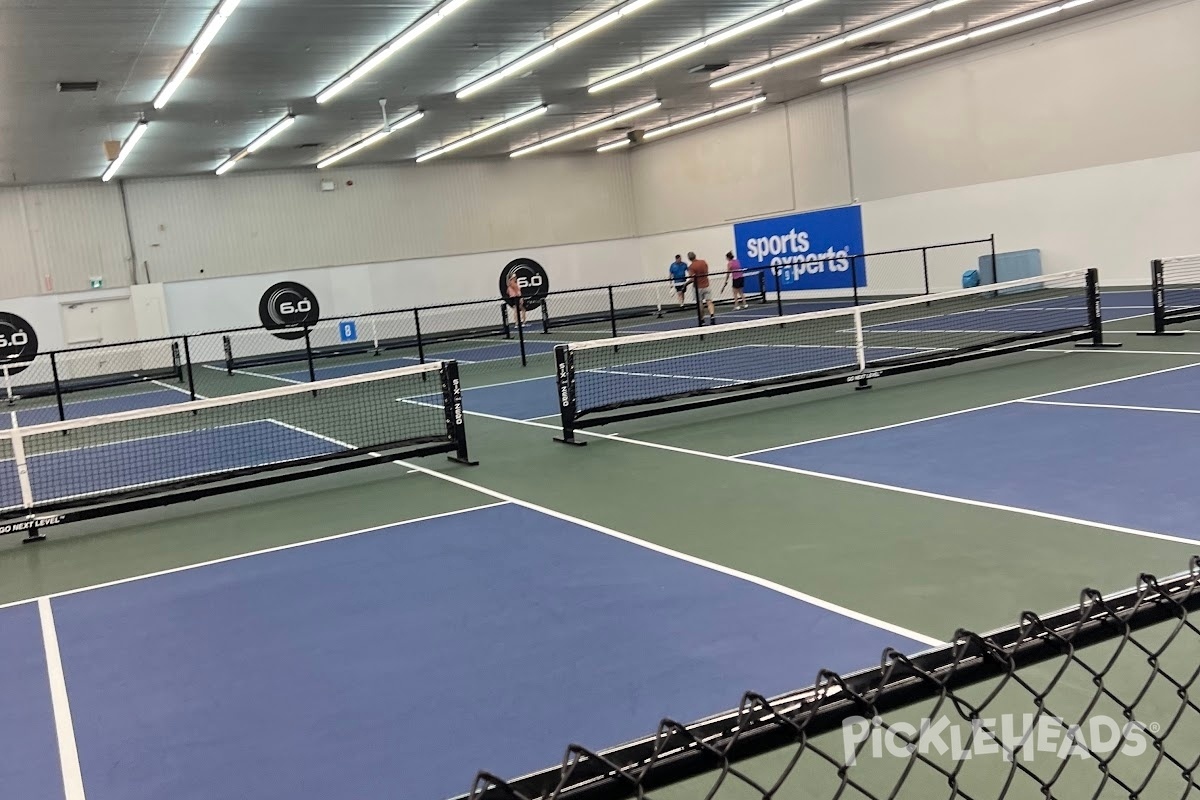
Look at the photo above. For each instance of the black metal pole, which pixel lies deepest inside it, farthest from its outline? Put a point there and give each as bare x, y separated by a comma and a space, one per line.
520, 306
308, 355
699, 311
504, 320
778, 273
612, 312
545, 315
925, 267
187, 360
420, 342
58, 395
1095, 318
854, 276
228, 354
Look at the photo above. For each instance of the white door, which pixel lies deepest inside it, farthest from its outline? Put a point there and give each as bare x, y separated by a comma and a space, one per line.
98, 322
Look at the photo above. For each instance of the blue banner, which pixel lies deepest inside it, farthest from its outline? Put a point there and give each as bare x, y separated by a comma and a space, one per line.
805, 251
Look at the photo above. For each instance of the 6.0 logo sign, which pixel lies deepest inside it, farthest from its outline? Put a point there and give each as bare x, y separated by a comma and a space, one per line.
18, 343
532, 279
287, 308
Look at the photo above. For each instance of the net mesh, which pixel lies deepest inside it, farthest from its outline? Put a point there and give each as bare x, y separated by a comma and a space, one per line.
1095, 701
80, 462
1181, 285
656, 367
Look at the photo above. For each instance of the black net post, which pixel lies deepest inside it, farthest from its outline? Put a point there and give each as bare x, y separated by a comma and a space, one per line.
456, 418
58, 395
992, 251
699, 310
612, 312
187, 362
545, 316
308, 353
1158, 296
420, 341
504, 320
564, 373
1095, 318
228, 345
520, 307
778, 273
854, 276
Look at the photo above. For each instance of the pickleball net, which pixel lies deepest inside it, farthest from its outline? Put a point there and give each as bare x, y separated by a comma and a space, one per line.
1175, 290
1098, 700
607, 380
80, 468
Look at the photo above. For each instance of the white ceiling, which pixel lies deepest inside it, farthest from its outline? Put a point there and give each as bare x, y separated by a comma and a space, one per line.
273, 56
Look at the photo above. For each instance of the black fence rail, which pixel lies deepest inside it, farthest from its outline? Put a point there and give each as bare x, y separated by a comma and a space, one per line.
474, 333
1097, 700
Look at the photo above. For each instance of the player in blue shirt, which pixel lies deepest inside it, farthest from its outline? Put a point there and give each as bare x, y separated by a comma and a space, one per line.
679, 278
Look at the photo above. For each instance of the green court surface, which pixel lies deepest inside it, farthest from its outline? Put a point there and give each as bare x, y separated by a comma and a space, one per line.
906, 558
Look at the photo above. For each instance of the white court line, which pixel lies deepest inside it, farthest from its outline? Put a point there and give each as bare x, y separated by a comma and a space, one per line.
254, 374
859, 482
606, 371
168, 387
962, 411
64, 727
1118, 350
251, 554
700, 562
1112, 406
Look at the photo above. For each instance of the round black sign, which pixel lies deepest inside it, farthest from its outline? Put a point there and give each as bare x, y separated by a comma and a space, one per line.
18, 343
286, 308
532, 279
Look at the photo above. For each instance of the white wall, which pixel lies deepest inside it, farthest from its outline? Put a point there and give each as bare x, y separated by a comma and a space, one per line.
1113, 87
231, 302
241, 224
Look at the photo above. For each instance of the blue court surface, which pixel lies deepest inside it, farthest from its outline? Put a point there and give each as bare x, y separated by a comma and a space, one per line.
1101, 454
463, 352
88, 469
380, 664
80, 409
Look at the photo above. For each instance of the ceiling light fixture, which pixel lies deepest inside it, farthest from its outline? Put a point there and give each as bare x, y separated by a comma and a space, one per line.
207, 34
870, 29
374, 138
566, 40
126, 148
475, 137
257, 144
617, 145
586, 129
696, 46
405, 37
940, 44
689, 122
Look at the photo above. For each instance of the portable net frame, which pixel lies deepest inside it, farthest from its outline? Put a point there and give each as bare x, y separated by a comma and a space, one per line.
1175, 289
1095, 701
614, 379
77, 469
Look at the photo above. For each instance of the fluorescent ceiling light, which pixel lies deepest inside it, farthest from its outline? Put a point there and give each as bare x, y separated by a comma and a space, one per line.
374, 138
915, 52
483, 134
887, 24
549, 48
702, 118
617, 145
729, 32
398, 42
257, 144
863, 32
139, 130
586, 129
201, 43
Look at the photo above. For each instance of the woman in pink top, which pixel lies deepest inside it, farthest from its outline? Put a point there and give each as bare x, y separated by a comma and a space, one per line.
734, 270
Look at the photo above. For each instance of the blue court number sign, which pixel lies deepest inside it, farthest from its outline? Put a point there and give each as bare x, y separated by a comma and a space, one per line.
348, 330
